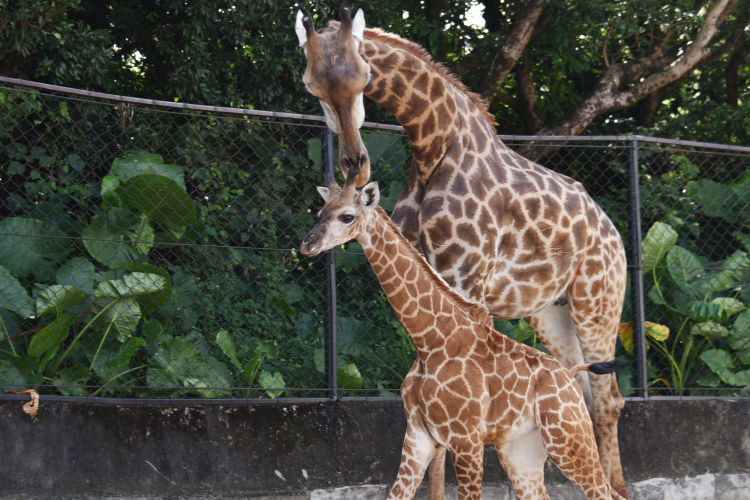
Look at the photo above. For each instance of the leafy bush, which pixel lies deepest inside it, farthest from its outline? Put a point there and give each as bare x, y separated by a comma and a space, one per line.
706, 306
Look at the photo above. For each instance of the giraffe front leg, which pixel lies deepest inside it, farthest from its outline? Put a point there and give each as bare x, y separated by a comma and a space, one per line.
468, 460
418, 450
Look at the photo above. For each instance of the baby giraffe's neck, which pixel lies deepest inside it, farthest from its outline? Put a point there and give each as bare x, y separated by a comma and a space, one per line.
426, 306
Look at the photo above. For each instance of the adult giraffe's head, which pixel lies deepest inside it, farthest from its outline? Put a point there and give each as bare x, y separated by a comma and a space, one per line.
336, 74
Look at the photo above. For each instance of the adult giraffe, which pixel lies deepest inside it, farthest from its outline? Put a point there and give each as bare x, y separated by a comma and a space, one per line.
501, 230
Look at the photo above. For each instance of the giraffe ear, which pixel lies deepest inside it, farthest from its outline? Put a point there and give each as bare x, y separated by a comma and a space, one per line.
299, 28
358, 25
370, 196
324, 192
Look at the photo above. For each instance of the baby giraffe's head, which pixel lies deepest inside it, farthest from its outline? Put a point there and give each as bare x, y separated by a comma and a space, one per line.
342, 218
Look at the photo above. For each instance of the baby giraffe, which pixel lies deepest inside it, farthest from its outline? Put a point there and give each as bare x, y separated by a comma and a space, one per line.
470, 384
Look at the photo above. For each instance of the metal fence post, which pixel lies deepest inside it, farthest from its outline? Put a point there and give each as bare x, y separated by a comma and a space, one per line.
636, 276
331, 317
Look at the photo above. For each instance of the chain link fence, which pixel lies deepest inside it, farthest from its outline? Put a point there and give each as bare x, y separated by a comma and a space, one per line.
148, 249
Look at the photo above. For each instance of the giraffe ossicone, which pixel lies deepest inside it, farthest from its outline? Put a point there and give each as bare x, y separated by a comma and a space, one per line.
523, 240
469, 385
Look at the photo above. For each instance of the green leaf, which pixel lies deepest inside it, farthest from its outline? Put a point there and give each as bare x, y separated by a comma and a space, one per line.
132, 285
730, 305
30, 247
739, 337
56, 298
137, 163
104, 237
684, 267
46, 342
224, 341
658, 241
11, 377
162, 199
13, 296
77, 272
110, 362
272, 383
143, 236
715, 199
350, 377
705, 311
735, 266
721, 363
123, 315
181, 364
709, 329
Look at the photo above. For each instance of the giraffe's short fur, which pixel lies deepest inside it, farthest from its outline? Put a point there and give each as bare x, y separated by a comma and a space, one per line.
469, 385
500, 229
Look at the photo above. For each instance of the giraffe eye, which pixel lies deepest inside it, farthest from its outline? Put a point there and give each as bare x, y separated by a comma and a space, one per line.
346, 218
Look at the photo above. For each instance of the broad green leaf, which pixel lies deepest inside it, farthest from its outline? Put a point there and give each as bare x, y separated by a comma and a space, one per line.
155, 299
350, 377
137, 163
46, 342
162, 199
224, 341
143, 237
11, 377
733, 271
715, 199
742, 323
709, 329
730, 305
56, 298
123, 315
111, 361
30, 247
77, 272
105, 239
739, 337
13, 296
684, 267
272, 383
131, 285
658, 241
721, 363
181, 364
705, 311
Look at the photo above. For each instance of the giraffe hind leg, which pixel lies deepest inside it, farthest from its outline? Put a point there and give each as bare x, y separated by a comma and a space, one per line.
554, 327
523, 460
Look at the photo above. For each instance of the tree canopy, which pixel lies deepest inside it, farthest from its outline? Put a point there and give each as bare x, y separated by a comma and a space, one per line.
678, 68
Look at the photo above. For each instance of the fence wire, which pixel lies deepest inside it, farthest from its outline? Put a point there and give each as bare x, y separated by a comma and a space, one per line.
149, 250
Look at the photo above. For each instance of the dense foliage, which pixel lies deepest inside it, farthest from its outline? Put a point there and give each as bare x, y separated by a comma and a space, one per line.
245, 53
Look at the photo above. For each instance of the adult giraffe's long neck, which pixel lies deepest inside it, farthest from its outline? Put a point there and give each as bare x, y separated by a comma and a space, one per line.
426, 306
434, 107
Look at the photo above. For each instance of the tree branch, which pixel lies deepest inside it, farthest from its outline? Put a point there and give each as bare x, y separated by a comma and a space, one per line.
511, 51
607, 95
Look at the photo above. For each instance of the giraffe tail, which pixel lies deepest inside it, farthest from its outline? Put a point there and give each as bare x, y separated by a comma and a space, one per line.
601, 368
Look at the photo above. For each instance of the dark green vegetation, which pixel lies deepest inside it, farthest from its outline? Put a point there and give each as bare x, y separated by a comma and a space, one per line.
168, 264
554, 66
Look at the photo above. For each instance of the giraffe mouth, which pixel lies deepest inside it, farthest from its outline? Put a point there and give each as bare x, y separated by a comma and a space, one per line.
310, 245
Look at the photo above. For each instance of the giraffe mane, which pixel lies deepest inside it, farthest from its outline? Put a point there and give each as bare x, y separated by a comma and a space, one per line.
474, 309
413, 48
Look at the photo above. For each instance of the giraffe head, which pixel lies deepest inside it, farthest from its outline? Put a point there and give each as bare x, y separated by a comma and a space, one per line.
336, 74
342, 218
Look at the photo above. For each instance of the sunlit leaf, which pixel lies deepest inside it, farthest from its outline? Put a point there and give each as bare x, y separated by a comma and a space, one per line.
709, 329
658, 241
57, 298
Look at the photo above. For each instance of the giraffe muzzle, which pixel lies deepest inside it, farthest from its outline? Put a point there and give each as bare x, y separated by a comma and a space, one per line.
310, 246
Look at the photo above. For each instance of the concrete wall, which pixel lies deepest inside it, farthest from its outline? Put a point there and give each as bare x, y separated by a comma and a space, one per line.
220, 449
